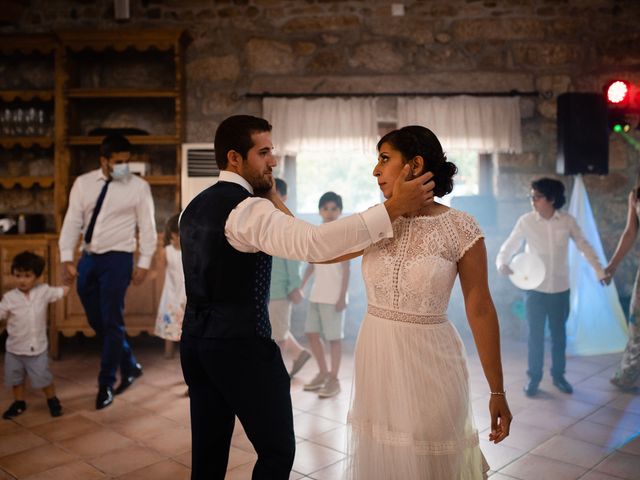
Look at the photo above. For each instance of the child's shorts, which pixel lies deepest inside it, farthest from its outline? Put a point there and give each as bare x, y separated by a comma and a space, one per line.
36, 367
280, 318
322, 318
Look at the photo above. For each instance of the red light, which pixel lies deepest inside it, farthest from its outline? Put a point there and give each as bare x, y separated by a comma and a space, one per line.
617, 91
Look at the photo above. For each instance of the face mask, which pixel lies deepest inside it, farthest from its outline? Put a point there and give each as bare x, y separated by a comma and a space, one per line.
120, 171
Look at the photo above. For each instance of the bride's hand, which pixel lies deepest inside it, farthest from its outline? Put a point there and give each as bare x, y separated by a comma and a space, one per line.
500, 418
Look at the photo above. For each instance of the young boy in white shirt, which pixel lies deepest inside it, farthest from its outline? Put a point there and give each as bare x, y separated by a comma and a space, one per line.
546, 231
25, 310
327, 304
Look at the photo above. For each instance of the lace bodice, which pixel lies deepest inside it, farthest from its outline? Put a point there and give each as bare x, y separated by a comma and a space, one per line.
414, 271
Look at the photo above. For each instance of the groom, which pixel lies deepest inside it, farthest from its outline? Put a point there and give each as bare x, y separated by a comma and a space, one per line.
228, 234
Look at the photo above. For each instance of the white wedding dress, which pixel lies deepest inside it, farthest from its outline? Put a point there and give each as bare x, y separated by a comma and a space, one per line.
410, 415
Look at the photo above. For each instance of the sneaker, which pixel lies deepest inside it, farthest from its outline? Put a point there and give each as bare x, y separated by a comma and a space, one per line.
15, 409
530, 388
299, 362
562, 385
623, 387
55, 409
317, 383
331, 388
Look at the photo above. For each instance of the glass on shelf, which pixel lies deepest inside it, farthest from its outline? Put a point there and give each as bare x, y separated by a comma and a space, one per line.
30, 118
29, 121
17, 116
41, 126
6, 122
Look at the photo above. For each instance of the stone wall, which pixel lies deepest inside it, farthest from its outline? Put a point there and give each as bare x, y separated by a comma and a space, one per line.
323, 46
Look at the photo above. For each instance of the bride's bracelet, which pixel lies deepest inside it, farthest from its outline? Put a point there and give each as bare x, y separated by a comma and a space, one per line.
499, 393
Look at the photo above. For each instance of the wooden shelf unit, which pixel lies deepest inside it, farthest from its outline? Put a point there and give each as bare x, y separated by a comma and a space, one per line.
26, 182
31, 59
78, 140
26, 142
122, 93
61, 49
26, 95
78, 93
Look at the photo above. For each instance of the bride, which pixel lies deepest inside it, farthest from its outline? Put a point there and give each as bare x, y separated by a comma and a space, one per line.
410, 416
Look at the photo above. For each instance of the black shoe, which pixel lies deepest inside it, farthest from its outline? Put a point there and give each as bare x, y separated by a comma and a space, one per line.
54, 406
562, 385
105, 397
15, 409
531, 388
127, 380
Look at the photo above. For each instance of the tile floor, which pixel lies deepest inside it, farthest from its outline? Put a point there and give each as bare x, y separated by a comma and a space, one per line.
590, 435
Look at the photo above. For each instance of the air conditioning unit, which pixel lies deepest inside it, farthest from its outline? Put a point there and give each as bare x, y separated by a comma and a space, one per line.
199, 169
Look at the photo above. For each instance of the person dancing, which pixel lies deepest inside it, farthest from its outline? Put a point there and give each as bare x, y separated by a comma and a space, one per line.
628, 372
410, 415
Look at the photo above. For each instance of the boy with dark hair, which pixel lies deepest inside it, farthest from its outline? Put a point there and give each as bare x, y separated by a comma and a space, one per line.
546, 231
327, 304
25, 309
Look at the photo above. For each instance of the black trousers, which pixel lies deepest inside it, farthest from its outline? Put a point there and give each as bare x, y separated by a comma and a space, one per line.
244, 378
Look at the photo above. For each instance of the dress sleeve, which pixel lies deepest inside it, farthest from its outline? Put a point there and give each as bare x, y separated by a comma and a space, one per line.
469, 232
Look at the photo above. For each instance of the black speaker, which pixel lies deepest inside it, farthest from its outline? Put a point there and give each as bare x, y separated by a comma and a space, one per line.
583, 134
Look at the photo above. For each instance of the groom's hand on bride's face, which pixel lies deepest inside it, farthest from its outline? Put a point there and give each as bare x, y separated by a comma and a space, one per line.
409, 195
414, 192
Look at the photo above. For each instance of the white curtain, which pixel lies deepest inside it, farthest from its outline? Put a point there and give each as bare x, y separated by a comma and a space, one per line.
596, 323
482, 124
341, 124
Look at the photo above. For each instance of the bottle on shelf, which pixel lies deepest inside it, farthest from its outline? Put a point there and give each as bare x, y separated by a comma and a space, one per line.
22, 224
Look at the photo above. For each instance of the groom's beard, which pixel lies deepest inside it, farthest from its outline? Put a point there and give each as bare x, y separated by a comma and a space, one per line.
260, 182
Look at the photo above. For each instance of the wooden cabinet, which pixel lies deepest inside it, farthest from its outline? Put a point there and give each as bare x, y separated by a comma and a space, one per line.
92, 82
27, 114
127, 80
9, 248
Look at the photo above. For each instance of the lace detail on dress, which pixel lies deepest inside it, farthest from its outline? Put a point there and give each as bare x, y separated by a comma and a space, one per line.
415, 270
421, 447
469, 232
397, 316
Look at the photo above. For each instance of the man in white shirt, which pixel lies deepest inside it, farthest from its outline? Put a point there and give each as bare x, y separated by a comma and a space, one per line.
106, 206
547, 231
228, 235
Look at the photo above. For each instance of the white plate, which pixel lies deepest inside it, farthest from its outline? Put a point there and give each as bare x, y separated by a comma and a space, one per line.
528, 271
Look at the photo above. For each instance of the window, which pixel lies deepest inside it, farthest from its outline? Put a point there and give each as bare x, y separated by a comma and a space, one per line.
349, 174
466, 181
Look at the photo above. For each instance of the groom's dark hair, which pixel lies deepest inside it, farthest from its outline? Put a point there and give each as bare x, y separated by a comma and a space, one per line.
234, 133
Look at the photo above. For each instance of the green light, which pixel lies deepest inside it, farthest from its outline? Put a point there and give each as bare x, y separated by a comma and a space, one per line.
617, 128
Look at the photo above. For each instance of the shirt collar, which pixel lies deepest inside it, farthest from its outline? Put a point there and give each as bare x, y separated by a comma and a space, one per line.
539, 217
232, 177
100, 175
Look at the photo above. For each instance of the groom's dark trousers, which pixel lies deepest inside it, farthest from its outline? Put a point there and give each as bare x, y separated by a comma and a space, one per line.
244, 378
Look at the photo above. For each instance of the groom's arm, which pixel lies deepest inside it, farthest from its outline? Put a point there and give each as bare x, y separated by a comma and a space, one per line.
257, 225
